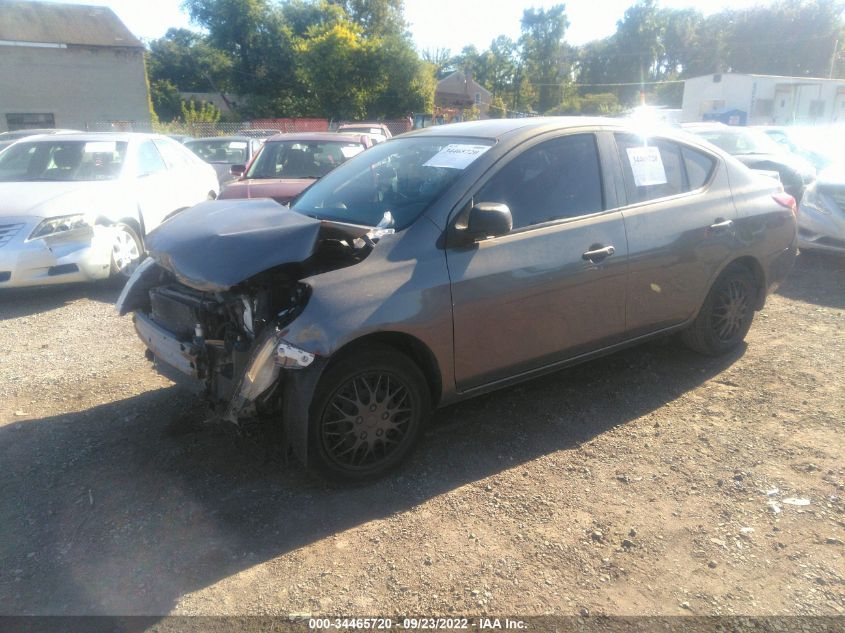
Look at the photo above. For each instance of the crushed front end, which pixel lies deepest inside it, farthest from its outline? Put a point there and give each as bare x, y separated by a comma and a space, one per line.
227, 339
229, 344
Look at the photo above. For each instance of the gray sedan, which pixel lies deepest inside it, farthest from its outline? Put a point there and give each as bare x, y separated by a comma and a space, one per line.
452, 261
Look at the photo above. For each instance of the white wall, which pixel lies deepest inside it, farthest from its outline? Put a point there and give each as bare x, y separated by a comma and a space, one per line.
79, 86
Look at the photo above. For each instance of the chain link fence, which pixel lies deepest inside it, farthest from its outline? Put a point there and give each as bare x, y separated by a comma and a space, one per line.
231, 128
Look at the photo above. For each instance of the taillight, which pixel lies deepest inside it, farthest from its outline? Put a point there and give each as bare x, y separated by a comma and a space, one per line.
786, 201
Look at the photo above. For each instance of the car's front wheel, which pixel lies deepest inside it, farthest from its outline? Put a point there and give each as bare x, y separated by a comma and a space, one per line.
127, 250
726, 315
367, 414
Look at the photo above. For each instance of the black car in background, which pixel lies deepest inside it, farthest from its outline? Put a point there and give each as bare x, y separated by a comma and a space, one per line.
756, 150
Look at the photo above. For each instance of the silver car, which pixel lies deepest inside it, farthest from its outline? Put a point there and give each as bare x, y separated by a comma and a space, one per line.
451, 261
77, 207
821, 217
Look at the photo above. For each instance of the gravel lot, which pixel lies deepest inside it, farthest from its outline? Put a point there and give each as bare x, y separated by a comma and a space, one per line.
653, 481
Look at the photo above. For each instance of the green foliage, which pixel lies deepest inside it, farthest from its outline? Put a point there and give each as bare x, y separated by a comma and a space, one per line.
198, 113
166, 101
497, 109
333, 61
544, 53
653, 44
353, 59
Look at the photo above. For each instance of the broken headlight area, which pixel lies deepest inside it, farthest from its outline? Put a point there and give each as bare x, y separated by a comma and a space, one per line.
230, 341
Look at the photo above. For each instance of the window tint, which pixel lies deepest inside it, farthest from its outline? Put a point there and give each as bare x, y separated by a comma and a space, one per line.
149, 160
652, 168
550, 181
699, 166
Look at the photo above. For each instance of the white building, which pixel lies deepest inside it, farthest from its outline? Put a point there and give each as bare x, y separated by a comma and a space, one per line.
69, 66
765, 99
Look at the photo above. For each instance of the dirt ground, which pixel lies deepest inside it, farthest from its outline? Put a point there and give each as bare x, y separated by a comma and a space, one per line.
653, 481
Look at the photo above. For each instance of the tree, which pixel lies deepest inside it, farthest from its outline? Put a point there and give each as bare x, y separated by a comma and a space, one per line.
543, 53
404, 84
166, 100
188, 61
497, 109
440, 59
377, 18
334, 63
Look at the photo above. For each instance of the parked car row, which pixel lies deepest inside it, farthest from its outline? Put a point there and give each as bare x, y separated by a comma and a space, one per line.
809, 161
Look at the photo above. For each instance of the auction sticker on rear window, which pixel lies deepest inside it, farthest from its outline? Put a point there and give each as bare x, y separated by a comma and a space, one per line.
456, 156
647, 166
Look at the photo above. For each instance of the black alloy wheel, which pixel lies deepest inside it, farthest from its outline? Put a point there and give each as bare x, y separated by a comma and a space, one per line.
370, 411
726, 315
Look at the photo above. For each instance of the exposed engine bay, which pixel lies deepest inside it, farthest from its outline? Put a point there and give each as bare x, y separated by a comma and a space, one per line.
229, 338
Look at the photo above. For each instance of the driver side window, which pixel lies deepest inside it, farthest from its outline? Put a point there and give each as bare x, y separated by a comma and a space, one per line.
554, 180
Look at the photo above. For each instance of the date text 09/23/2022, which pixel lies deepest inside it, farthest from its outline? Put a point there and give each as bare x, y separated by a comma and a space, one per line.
422, 623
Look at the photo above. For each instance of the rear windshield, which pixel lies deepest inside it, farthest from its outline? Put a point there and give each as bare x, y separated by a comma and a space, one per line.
214, 151
70, 161
392, 183
301, 159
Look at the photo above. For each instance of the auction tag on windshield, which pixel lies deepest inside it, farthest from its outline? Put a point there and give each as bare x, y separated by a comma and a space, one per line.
456, 156
647, 166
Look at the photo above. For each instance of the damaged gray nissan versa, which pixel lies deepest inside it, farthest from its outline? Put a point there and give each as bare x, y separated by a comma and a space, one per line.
449, 262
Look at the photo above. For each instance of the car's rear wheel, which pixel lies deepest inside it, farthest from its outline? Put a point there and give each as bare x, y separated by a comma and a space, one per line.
726, 315
366, 415
127, 251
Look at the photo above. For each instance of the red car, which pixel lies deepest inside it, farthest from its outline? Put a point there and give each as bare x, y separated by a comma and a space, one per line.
288, 163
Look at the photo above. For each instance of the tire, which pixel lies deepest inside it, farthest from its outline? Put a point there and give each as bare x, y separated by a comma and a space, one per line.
127, 251
360, 403
726, 316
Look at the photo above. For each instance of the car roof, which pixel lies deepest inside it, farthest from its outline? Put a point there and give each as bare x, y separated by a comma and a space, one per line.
362, 124
313, 136
97, 136
233, 137
496, 129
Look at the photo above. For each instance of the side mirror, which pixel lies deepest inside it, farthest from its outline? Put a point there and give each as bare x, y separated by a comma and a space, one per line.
237, 170
487, 219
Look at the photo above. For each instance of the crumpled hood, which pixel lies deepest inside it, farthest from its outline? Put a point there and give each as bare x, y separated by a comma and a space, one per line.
279, 189
217, 244
50, 199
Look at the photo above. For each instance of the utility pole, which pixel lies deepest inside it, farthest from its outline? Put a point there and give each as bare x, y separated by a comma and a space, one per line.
833, 58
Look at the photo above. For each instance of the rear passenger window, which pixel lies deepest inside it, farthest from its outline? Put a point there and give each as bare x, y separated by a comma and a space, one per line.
699, 166
652, 168
553, 180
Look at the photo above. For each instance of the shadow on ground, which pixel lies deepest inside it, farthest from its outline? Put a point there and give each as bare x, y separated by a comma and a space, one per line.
817, 278
126, 507
22, 302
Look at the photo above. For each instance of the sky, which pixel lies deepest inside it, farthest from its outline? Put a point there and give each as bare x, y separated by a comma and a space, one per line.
434, 24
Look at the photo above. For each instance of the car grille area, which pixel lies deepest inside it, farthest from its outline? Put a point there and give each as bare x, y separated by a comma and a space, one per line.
173, 312
8, 231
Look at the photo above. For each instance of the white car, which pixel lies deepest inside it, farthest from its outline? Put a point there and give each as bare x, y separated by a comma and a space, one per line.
77, 207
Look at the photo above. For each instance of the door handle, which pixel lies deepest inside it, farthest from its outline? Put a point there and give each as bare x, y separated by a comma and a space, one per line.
599, 253
723, 224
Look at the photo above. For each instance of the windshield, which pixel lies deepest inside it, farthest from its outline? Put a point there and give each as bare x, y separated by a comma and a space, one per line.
402, 177
301, 159
739, 142
73, 161
220, 151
